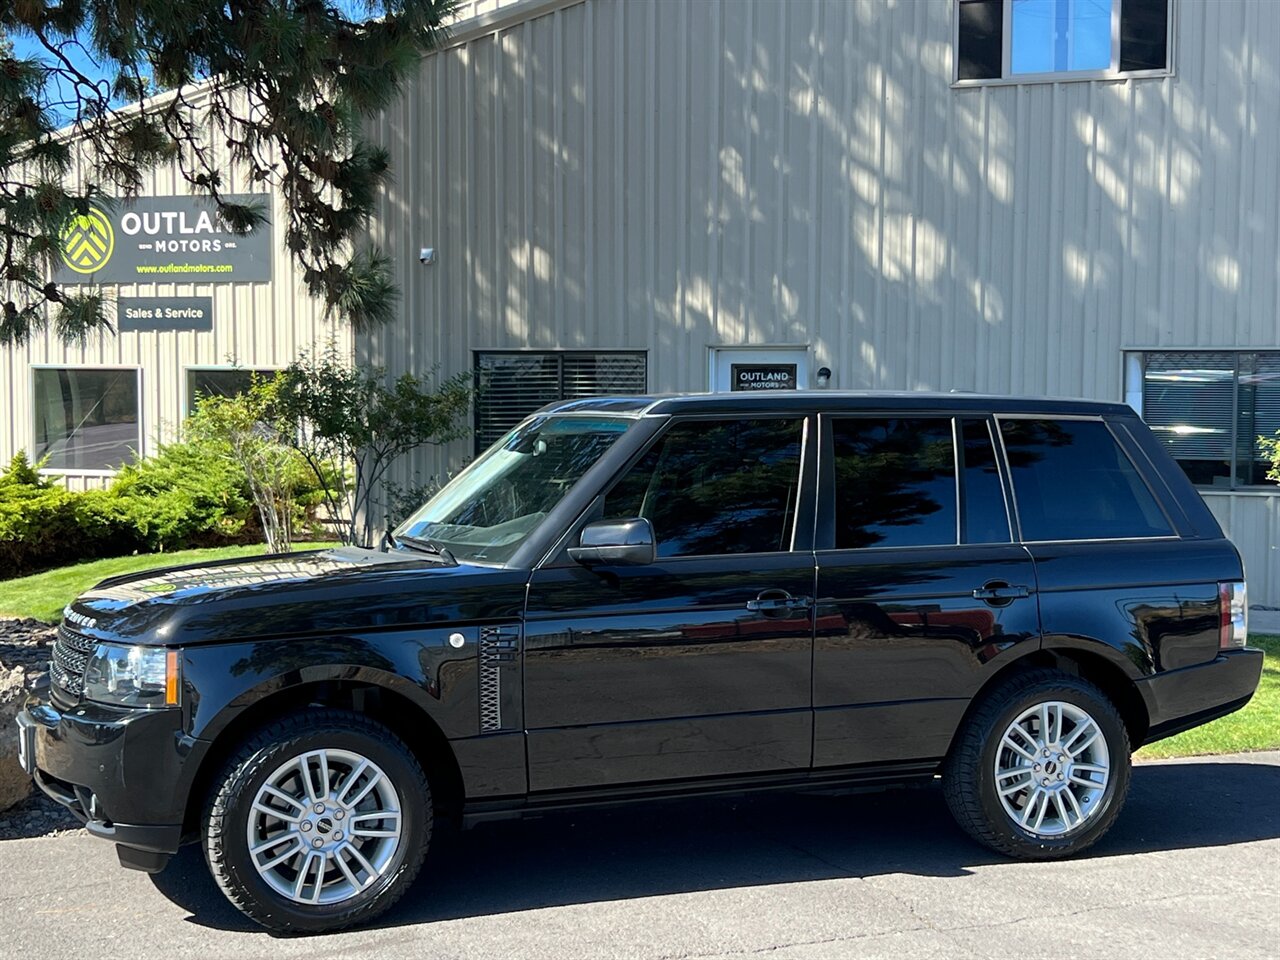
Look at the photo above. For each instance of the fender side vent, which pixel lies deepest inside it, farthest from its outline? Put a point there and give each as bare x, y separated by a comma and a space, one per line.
498, 645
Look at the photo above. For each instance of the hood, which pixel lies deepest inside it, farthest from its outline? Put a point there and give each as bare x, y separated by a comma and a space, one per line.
319, 592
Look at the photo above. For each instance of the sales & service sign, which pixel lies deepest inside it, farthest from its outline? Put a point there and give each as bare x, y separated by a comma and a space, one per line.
162, 240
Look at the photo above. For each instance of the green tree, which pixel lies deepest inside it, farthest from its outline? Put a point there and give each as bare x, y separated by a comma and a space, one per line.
274, 88
340, 415
246, 431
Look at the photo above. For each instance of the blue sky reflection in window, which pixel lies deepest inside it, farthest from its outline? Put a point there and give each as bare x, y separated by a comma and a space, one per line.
1061, 36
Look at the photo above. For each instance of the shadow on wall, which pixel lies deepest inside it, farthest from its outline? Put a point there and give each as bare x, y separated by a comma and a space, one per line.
682, 846
804, 172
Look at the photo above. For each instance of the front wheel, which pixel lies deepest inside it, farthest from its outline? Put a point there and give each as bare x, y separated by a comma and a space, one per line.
320, 821
1041, 767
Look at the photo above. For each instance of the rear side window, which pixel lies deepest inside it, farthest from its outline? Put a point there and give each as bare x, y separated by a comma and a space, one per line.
1072, 481
716, 487
895, 482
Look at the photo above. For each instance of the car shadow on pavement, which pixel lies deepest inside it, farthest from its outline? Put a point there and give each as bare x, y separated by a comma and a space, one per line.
682, 846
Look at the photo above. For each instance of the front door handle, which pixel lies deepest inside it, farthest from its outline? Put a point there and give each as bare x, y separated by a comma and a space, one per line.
778, 601
998, 591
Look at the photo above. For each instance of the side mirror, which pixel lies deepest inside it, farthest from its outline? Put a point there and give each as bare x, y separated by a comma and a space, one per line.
616, 543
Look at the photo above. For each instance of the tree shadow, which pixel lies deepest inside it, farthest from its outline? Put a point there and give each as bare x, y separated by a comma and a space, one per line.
682, 846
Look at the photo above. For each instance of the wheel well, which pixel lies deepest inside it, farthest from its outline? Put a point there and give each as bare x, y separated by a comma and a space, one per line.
395, 711
1093, 667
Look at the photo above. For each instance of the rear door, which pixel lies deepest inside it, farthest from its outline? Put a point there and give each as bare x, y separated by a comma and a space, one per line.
699, 664
920, 584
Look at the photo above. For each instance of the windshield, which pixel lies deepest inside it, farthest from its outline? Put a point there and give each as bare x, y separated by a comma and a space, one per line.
488, 510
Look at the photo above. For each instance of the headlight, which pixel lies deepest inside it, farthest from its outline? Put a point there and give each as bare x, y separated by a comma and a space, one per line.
132, 676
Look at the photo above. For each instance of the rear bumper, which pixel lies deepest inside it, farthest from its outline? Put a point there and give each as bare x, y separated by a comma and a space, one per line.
120, 772
1178, 700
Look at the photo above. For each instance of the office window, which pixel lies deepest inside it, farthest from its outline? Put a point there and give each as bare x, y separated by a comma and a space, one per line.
511, 385
207, 382
1209, 408
1053, 39
86, 419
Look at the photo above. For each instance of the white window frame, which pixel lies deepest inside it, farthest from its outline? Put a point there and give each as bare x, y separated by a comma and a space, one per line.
84, 471
1007, 78
1134, 386
184, 399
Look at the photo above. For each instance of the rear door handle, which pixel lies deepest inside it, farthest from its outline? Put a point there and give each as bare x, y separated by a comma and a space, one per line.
1001, 591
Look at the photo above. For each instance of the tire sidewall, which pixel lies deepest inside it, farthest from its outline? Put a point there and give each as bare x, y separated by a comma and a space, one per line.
1117, 741
241, 786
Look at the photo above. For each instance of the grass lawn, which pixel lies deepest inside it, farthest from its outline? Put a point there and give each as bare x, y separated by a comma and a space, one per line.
1256, 727
43, 595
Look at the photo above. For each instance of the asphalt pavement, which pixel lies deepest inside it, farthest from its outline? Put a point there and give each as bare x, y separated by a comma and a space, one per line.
1190, 870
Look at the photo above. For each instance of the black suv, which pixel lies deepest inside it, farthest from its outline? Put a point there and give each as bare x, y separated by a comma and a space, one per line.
651, 596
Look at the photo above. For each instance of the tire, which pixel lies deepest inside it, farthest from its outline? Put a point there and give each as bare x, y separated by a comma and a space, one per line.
1035, 819
319, 882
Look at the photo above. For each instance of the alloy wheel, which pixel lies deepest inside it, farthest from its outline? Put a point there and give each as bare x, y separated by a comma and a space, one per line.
324, 826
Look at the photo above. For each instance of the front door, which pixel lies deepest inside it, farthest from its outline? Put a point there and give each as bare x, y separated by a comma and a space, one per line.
759, 368
698, 664
920, 585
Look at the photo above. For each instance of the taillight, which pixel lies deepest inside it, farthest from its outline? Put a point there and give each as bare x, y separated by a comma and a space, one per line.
1233, 615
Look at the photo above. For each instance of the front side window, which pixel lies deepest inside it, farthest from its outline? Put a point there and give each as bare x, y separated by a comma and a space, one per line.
716, 487
491, 508
1072, 481
1210, 408
1011, 39
86, 419
210, 382
895, 482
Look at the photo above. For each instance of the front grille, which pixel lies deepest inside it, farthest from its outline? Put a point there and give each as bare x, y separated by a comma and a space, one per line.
71, 652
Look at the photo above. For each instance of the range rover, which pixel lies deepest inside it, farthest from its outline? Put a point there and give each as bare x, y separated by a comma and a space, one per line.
643, 597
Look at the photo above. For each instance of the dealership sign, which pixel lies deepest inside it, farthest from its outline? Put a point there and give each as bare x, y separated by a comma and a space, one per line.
763, 376
162, 240
164, 313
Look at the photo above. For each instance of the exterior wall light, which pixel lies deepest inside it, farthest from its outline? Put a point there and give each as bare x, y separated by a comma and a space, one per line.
824, 377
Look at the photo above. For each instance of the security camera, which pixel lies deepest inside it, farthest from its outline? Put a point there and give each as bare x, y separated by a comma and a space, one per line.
427, 256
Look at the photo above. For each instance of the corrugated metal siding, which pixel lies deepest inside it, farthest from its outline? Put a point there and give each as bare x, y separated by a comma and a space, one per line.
1252, 520
670, 174
255, 325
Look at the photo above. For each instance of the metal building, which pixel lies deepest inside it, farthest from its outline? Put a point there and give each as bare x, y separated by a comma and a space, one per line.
690, 186
1063, 197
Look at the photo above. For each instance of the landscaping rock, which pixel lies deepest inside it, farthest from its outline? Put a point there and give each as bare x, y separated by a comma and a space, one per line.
24, 658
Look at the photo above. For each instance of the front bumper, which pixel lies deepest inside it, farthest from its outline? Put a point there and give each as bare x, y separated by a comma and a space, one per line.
122, 772
1178, 700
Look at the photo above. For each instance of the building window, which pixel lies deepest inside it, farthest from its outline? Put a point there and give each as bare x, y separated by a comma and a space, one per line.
1061, 39
1209, 408
86, 419
219, 382
510, 385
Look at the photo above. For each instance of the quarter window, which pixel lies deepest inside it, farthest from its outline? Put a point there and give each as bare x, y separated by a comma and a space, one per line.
1012, 39
895, 482
86, 419
1072, 481
1210, 409
716, 487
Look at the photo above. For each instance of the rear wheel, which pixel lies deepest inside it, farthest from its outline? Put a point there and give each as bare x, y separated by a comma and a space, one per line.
1041, 768
319, 822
